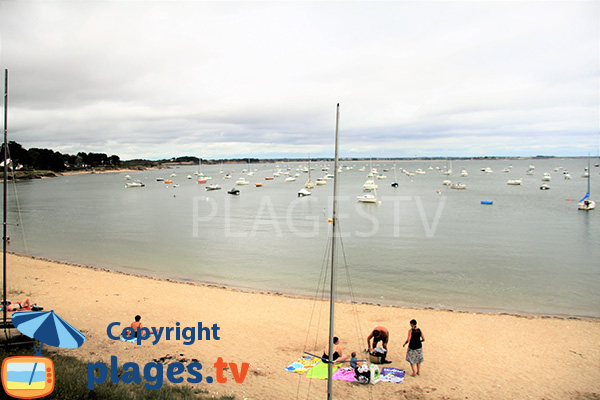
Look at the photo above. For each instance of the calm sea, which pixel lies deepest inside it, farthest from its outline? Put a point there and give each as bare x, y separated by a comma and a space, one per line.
531, 251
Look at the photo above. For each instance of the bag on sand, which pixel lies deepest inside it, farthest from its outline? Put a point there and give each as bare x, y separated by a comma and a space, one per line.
367, 374
377, 356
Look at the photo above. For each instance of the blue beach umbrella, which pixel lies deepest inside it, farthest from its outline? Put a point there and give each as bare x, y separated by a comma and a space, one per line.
48, 328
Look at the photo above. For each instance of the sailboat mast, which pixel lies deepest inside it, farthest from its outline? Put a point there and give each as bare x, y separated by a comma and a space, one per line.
589, 175
333, 236
5, 196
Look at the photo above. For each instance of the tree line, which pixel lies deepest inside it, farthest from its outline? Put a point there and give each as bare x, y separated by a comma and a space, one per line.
47, 159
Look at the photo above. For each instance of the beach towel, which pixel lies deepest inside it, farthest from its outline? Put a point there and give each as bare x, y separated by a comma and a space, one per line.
392, 375
344, 374
131, 339
303, 364
320, 371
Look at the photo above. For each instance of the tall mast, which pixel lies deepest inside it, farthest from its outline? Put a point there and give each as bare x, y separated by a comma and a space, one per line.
333, 235
589, 174
5, 196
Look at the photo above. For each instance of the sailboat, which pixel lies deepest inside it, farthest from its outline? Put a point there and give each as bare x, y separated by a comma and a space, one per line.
309, 184
368, 198
202, 178
395, 183
370, 183
586, 203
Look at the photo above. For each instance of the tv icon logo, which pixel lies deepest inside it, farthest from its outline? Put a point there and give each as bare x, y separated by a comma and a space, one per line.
28, 377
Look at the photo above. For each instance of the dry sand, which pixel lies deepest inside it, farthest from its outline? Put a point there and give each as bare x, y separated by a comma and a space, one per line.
467, 355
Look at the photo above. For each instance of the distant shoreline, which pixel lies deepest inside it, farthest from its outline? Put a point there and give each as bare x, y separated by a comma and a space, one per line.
41, 174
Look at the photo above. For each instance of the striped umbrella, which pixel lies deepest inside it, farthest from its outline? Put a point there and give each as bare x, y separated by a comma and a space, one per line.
48, 328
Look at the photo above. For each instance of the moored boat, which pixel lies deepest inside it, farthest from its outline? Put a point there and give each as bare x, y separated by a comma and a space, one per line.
135, 184
304, 192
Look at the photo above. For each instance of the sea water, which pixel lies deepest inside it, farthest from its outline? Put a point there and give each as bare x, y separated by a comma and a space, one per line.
423, 245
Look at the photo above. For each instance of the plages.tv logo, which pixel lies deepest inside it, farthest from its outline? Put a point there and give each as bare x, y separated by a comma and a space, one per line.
28, 377
31, 377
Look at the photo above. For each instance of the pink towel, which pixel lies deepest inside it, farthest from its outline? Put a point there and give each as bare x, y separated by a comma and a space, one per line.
344, 374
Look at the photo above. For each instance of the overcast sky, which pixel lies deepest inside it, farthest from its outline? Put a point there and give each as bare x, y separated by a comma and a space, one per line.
158, 79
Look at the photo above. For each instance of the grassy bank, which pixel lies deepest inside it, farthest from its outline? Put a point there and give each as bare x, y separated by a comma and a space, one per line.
71, 375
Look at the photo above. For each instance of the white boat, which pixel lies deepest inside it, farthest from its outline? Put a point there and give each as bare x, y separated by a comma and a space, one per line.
189, 177
530, 171
448, 170
446, 183
458, 186
134, 184
545, 187
488, 170
381, 176
241, 182
586, 173
303, 192
514, 182
369, 185
227, 176
586, 204
546, 177
464, 172
566, 174
367, 198
213, 186
419, 171
290, 179
127, 177
320, 182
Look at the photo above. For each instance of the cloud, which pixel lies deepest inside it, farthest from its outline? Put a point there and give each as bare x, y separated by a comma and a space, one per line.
225, 79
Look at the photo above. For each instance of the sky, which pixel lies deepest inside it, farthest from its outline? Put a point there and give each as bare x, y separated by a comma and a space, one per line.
161, 79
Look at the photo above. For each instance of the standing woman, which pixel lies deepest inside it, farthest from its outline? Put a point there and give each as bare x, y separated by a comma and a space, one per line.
414, 354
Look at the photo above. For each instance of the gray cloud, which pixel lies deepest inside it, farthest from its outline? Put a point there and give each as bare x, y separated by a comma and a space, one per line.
161, 79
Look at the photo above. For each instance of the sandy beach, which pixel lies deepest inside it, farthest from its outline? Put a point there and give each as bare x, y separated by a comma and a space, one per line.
467, 355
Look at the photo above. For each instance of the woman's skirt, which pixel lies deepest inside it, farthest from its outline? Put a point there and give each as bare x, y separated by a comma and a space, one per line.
414, 356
